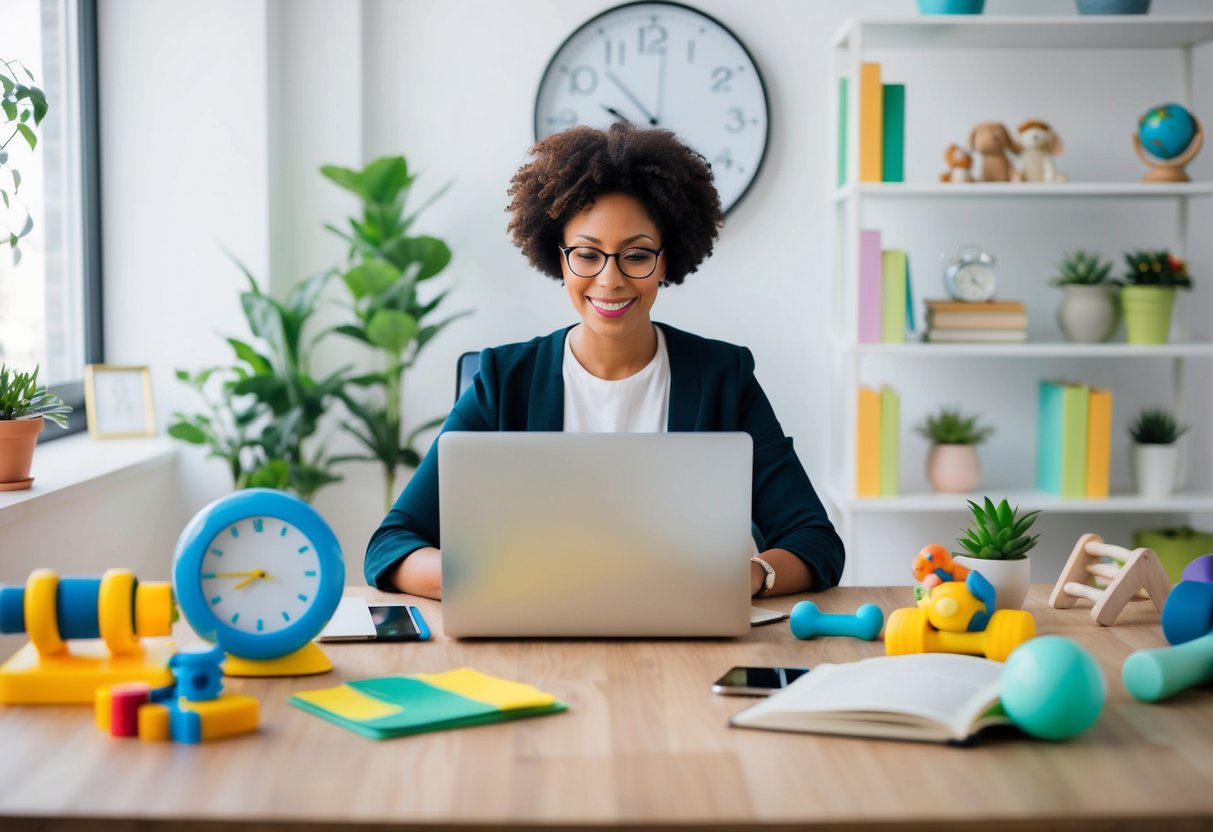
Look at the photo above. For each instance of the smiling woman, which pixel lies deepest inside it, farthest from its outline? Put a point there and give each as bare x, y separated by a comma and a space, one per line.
617, 216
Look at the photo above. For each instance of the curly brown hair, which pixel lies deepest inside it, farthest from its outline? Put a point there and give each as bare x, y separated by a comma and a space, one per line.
573, 167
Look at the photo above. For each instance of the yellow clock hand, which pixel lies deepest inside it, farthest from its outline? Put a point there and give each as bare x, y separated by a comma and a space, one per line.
254, 575
238, 574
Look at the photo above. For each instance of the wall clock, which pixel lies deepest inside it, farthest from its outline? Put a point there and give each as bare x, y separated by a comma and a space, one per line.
666, 65
259, 572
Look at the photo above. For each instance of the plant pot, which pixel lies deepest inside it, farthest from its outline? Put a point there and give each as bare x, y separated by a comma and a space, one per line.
951, 6
1148, 313
1176, 548
1086, 314
1011, 578
953, 469
1155, 469
17, 440
1113, 6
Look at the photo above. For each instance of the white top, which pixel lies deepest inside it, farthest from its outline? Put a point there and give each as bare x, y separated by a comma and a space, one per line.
636, 404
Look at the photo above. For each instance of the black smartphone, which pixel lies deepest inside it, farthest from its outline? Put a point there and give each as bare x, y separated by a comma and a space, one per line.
757, 681
398, 622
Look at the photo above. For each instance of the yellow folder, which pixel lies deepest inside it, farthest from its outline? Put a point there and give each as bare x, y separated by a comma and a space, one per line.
1099, 441
871, 124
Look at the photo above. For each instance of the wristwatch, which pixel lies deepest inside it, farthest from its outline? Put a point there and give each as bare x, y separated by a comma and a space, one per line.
768, 580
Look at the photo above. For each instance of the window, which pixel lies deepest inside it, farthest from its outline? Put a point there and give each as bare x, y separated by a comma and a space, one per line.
50, 304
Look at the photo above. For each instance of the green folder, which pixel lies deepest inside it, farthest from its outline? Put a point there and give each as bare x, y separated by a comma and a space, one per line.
894, 130
843, 85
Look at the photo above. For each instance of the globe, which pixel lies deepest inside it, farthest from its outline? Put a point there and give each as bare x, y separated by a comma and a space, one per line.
1166, 131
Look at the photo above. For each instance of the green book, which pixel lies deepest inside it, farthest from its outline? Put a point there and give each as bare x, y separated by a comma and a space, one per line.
893, 265
843, 90
1075, 400
890, 447
1049, 437
894, 129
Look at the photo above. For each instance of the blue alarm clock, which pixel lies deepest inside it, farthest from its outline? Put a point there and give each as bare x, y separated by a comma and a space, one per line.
259, 572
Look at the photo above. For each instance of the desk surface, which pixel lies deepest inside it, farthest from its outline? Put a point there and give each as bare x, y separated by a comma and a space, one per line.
644, 743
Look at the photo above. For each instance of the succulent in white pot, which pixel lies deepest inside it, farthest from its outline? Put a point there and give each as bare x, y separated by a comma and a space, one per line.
996, 544
1087, 313
1156, 458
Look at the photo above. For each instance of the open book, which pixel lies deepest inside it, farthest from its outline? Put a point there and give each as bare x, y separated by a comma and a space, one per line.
937, 697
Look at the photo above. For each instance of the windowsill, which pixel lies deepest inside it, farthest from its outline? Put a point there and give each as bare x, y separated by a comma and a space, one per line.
70, 468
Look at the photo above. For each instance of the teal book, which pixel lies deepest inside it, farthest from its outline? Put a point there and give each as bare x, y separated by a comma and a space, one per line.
894, 127
395, 706
1049, 437
843, 90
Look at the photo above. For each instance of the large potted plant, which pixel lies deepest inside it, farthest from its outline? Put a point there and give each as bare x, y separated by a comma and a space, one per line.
952, 463
22, 108
1087, 312
996, 544
25, 406
1148, 295
387, 276
1155, 434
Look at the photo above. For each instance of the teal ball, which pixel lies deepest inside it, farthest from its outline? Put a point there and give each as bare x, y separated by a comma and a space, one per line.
1166, 131
1052, 688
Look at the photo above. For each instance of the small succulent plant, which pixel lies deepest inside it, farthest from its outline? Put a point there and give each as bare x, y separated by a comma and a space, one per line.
951, 427
998, 532
1082, 269
1156, 268
1156, 426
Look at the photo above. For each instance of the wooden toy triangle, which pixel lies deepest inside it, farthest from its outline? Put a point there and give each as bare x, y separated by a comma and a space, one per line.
1129, 574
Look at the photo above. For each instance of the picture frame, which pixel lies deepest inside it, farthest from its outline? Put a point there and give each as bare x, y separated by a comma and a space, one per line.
118, 401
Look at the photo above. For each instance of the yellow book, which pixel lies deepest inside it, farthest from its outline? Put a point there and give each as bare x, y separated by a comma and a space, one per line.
867, 444
871, 124
1099, 441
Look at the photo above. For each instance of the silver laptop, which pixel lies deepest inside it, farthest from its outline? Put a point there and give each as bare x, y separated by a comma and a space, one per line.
584, 534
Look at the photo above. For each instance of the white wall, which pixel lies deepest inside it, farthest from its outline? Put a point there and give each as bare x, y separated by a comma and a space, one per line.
216, 116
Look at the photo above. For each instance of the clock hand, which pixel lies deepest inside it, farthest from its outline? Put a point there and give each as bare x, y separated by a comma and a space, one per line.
614, 79
617, 114
254, 575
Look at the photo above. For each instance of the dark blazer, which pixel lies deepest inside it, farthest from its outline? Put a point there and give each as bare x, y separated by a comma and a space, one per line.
520, 387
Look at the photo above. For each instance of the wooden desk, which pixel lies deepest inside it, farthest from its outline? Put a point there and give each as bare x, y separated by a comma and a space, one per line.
644, 744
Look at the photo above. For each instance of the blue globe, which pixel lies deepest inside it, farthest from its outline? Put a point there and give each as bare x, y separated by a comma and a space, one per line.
1166, 130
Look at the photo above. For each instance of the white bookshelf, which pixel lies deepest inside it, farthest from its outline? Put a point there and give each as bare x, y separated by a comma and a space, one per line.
853, 43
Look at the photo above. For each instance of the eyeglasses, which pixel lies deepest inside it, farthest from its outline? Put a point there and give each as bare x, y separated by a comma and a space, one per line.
587, 261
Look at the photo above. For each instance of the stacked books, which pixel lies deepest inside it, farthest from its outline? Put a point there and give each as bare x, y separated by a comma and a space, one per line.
886, 299
882, 127
988, 322
1074, 439
877, 445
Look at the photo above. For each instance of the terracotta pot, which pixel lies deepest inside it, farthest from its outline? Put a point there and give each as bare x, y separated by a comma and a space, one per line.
953, 469
1010, 578
17, 440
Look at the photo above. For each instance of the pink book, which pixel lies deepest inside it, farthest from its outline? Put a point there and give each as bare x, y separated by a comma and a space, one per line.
869, 287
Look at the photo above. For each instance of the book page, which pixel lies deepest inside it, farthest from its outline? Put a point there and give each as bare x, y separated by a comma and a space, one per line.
884, 696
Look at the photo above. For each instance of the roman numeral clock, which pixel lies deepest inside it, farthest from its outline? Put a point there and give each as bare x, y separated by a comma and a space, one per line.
666, 65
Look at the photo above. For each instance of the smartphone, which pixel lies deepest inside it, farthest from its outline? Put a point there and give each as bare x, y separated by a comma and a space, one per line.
398, 622
757, 681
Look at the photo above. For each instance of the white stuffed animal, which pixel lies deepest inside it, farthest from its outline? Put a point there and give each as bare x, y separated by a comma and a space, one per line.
1040, 144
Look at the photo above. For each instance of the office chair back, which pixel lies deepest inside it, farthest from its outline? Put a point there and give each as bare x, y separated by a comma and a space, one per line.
465, 369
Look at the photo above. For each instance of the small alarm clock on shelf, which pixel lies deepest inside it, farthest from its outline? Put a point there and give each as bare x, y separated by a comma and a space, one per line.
259, 572
969, 274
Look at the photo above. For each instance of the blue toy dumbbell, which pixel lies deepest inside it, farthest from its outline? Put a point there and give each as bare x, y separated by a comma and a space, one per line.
809, 622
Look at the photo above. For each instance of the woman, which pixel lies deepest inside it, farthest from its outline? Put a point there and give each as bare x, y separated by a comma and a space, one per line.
616, 216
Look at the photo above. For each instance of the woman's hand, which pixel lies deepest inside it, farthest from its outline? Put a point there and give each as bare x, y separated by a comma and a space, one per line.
420, 573
791, 573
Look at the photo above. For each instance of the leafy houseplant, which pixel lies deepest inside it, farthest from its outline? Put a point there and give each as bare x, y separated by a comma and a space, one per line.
268, 406
996, 544
952, 463
23, 107
1156, 456
25, 405
1087, 312
1148, 295
385, 275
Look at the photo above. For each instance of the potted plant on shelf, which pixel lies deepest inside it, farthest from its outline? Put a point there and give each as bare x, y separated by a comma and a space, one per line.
1087, 313
1155, 452
1149, 294
952, 463
996, 544
25, 405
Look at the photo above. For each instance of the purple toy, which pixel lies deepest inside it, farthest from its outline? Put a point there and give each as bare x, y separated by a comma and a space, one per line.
1200, 570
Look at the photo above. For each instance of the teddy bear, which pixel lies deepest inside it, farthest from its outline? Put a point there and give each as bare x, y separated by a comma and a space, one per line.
1040, 144
959, 165
992, 140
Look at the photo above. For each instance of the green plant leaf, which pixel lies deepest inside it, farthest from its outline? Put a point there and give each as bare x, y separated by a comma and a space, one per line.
1004, 514
391, 330
384, 179
352, 331
187, 433
28, 135
259, 363
433, 255
370, 278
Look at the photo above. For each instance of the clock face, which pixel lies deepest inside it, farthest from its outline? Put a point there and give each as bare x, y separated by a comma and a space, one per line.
259, 574
974, 282
669, 66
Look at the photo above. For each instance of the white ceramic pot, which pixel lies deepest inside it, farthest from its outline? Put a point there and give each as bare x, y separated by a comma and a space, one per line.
1087, 314
1010, 578
953, 469
1155, 469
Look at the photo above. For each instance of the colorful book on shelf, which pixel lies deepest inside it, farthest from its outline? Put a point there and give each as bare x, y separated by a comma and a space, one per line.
1061, 451
843, 91
870, 282
867, 443
394, 706
977, 319
935, 305
977, 336
893, 137
871, 128
1099, 442
890, 441
893, 295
